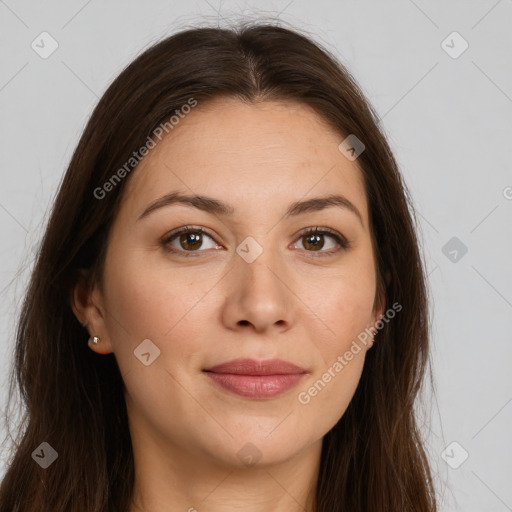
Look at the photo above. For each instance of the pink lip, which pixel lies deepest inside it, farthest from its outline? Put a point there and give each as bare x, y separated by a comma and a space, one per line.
256, 379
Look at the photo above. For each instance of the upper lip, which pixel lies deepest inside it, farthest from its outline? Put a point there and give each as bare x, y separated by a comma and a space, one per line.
254, 367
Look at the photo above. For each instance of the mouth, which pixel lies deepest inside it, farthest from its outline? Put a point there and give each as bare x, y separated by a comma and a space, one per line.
256, 379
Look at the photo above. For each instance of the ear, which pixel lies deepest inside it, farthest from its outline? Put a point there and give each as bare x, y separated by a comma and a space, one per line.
87, 305
379, 305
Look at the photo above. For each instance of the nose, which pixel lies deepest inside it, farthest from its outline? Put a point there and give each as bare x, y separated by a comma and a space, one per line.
260, 297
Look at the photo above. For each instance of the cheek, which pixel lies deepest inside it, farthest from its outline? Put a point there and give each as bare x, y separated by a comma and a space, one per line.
153, 302
328, 396
345, 307
344, 303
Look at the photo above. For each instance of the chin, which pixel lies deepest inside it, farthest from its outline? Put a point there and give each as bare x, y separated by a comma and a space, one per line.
256, 448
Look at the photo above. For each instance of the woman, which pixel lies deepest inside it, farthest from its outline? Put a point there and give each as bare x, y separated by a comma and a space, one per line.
228, 309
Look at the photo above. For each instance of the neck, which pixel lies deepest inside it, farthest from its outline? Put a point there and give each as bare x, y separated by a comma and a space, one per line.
174, 480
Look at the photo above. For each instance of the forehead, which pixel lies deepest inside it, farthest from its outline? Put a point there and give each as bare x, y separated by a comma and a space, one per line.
249, 155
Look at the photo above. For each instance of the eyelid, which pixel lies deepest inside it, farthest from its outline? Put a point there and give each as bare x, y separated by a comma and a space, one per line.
184, 229
168, 237
343, 243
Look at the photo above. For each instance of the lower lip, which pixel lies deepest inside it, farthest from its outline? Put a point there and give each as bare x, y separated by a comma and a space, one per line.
256, 386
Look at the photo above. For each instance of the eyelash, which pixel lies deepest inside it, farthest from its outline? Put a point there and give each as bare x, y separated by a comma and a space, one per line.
340, 240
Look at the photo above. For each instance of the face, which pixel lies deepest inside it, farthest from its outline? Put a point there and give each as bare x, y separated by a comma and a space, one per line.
244, 282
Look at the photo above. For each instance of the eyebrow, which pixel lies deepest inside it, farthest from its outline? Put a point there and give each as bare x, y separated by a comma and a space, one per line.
214, 206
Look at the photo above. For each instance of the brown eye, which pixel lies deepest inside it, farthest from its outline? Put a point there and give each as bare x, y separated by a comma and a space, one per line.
313, 241
191, 240
187, 240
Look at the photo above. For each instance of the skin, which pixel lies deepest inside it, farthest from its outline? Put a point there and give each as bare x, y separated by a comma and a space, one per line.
215, 306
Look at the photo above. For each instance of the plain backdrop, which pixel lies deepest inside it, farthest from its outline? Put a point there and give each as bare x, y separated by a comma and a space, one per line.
439, 75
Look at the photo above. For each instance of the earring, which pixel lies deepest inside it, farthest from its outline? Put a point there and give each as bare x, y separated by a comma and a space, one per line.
94, 339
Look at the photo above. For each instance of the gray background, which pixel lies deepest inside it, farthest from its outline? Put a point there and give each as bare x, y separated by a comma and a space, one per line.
449, 122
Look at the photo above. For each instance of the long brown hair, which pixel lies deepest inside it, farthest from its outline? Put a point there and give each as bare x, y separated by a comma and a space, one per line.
373, 459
